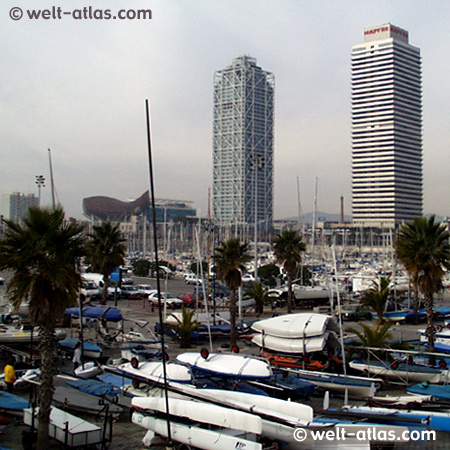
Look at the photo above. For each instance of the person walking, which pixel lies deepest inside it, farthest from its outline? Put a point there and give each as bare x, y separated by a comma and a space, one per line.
77, 356
10, 374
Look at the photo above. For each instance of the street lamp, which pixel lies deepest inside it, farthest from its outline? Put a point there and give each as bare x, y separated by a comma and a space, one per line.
40, 181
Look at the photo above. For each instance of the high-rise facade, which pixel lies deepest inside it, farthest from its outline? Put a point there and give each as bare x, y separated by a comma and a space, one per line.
243, 144
387, 180
16, 205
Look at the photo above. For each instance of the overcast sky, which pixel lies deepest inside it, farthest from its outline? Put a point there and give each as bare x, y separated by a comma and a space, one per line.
79, 87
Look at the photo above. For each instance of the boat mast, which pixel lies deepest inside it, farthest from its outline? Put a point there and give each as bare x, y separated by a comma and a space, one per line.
158, 281
52, 183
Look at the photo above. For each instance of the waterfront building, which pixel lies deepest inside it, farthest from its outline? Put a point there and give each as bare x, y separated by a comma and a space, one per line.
243, 145
387, 179
16, 205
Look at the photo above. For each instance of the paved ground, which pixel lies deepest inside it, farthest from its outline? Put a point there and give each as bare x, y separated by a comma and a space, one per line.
129, 436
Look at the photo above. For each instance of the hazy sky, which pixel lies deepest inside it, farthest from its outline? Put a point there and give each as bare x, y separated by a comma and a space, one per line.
79, 87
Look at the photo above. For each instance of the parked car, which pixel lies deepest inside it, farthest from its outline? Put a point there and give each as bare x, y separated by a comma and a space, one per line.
356, 312
171, 300
131, 292
247, 278
190, 300
112, 292
191, 278
145, 289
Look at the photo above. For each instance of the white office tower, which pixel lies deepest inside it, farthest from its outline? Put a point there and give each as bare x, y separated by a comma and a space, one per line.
387, 180
243, 145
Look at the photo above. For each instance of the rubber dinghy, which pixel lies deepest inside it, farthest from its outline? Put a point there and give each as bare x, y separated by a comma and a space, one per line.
198, 424
227, 364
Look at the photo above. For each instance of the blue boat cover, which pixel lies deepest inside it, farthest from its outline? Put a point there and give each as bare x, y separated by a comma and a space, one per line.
11, 402
115, 380
438, 391
94, 387
87, 346
96, 312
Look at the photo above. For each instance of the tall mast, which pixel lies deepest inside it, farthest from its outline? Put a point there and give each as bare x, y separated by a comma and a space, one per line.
52, 183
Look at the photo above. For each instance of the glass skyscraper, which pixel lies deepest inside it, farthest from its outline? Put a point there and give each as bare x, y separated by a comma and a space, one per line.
387, 180
243, 144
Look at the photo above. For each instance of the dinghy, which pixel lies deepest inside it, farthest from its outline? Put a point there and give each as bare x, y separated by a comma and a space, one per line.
294, 326
227, 364
361, 387
400, 371
152, 371
295, 345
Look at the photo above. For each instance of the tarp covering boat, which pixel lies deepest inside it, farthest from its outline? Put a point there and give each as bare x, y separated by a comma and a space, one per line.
96, 312
94, 387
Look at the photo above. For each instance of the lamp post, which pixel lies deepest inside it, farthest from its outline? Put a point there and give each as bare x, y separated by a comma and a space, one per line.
40, 181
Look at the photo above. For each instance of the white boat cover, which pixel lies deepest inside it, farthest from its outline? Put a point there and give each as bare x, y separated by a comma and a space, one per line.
228, 364
296, 325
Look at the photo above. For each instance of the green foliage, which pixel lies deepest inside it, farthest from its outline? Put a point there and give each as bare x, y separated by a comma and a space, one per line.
288, 249
185, 326
423, 248
257, 291
268, 274
42, 256
106, 251
141, 267
195, 268
379, 336
230, 257
377, 296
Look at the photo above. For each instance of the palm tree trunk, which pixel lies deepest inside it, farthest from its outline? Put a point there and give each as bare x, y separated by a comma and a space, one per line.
46, 388
289, 299
416, 304
430, 331
233, 311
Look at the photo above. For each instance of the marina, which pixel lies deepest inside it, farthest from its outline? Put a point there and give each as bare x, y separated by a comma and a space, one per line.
256, 394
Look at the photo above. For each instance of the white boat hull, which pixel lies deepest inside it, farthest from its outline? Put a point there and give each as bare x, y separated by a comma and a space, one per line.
398, 375
195, 436
291, 345
202, 412
302, 325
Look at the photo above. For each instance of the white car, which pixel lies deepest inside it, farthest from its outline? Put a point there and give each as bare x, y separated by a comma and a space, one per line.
170, 299
192, 279
145, 289
247, 278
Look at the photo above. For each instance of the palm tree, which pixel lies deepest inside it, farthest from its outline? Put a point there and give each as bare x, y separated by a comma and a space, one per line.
185, 326
377, 297
106, 251
259, 293
423, 248
230, 257
371, 337
42, 257
288, 248
374, 337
